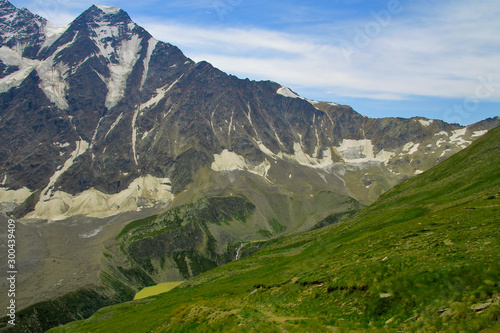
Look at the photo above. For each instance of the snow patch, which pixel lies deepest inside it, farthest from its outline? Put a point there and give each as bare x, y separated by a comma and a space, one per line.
445, 152
426, 123
61, 145
318, 140
53, 78
114, 124
52, 33
110, 10
230, 161
287, 92
103, 32
134, 135
13, 58
145, 191
477, 134
299, 156
160, 93
95, 136
441, 133
411, 148
440, 142
267, 151
81, 147
351, 151
127, 53
384, 156
362, 151
53, 82
458, 133
457, 138
122, 57
151, 46
284, 91
14, 196
303, 158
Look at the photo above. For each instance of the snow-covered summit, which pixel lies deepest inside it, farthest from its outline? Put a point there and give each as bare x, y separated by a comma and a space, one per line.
20, 29
110, 10
287, 92
101, 103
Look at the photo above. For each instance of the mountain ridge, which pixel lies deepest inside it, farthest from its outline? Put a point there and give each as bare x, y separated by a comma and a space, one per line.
89, 51
421, 258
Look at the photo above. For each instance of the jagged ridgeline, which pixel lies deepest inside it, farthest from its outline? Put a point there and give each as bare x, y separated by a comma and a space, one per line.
99, 118
423, 258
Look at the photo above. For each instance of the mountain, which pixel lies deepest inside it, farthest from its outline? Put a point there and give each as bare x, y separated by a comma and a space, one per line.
422, 258
99, 107
102, 125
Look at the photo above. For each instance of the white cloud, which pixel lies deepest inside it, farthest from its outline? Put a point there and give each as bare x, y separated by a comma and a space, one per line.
194, 4
59, 12
438, 49
441, 52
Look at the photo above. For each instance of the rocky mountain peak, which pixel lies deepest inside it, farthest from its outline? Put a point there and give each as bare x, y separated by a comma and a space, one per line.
105, 14
102, 31
109, 10
100, 105
21, 30
6, 5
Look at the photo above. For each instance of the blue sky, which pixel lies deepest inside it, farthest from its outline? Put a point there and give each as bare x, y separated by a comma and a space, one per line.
436, 59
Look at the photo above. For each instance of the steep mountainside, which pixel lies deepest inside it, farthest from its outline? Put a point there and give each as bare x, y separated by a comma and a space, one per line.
423, 258
89, 110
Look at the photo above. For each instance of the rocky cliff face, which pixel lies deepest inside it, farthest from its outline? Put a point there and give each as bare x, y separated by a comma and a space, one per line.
99, 118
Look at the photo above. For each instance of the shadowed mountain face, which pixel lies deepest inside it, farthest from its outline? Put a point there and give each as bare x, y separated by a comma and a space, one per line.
101, 103
422, 258
101, 124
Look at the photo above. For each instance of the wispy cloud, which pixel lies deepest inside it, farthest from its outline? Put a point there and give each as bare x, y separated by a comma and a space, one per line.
422, 49
194, 4
442, 54
59, 12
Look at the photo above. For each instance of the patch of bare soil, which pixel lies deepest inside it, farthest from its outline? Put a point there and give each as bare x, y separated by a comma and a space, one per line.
57, 257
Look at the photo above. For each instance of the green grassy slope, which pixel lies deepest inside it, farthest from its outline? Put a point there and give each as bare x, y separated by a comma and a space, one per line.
424, 257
